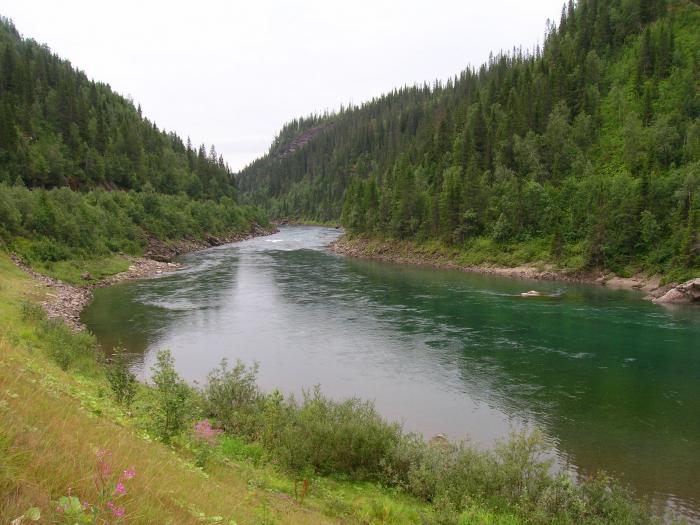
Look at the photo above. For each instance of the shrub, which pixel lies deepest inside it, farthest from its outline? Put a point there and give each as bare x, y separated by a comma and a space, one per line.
121, 379
232, 397
347, 437
67, 348
173, 403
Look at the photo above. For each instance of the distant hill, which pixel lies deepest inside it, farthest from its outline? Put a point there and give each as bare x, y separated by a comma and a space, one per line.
83, 174
58, 128
587, 149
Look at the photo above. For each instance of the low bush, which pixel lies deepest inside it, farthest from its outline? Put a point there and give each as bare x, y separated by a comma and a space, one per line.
232, 396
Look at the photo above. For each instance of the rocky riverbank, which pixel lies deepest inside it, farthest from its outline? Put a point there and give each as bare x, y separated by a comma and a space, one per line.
397, 252
65, 301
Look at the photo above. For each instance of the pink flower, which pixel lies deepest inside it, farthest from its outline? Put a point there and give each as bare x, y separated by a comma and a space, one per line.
117, 511
86, 505
204, 431
128, 473
102, 465
119, 489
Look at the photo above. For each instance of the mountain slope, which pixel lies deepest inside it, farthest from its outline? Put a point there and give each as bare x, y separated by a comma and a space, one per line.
587, 149
84, 175
57, 128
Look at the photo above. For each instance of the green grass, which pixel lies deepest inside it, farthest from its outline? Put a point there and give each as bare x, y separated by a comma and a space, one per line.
72, 271
53, 420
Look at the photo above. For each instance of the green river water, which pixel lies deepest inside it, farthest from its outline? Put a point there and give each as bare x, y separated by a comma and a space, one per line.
613, 381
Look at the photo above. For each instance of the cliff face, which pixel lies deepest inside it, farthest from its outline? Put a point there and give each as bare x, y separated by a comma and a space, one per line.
300, 140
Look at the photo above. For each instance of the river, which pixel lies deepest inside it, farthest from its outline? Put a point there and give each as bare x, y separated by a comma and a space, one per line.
613, 381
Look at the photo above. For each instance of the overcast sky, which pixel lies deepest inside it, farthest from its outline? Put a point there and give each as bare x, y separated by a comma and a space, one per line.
232, 73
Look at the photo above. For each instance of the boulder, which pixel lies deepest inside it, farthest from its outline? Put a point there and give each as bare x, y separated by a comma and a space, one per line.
688, 292
440, 441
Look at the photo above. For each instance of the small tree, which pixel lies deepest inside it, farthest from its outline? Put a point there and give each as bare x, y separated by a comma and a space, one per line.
173, 403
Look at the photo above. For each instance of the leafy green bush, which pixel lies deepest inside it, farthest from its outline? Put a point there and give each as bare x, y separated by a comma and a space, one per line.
348, 437
231, 396
121, 379
173, 403
69, 349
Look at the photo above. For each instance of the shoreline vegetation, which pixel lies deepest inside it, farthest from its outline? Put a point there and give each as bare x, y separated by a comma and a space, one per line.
267, 458
583, 152
67, 300
436, 255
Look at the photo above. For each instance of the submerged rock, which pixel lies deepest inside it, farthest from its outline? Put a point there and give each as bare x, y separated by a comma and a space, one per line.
439, 441
688, 292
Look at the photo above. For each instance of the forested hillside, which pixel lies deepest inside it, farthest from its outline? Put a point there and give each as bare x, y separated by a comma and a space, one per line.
83, 173
586, 150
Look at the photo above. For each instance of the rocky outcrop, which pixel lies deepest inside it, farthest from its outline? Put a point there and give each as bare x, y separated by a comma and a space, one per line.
301, 140
163, 251
688, 292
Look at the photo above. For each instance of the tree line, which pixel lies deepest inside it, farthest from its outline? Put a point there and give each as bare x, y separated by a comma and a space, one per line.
590, 143
58, 128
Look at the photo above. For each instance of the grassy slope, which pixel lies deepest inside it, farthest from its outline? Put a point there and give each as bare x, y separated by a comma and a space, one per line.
52, 422
71, 271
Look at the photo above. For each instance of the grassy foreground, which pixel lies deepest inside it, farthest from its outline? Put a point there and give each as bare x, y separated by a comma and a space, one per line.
52, 423
82, 442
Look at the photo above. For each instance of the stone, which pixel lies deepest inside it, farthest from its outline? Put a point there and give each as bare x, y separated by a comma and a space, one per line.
688, 292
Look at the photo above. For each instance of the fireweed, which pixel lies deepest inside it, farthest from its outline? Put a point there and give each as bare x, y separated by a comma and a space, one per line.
107, 507
206, 438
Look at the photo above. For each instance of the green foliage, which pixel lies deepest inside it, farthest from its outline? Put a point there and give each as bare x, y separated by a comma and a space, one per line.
231, 396
60, 129
235, 448
588, 141
173, 404
347, 437
62, 231
121, 380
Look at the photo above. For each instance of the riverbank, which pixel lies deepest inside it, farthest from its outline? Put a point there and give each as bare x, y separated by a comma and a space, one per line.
435, 256
55, 419
63, 414
66, 300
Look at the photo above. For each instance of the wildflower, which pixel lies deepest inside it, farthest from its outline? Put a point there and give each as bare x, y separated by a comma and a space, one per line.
117, 511
86, 505
102, 465
205, 432
119, 489
128, 473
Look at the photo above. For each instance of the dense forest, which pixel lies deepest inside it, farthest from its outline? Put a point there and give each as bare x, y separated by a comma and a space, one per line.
83, 173
587, 148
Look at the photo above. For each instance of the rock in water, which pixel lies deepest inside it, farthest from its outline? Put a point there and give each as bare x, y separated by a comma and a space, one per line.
688, 292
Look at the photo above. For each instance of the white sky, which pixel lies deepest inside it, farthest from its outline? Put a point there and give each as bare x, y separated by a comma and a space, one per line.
232, 73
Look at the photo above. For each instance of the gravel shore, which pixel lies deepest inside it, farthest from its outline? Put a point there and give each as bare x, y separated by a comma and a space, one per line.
65, 301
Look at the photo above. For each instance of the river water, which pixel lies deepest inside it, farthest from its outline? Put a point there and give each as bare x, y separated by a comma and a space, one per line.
612, 380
